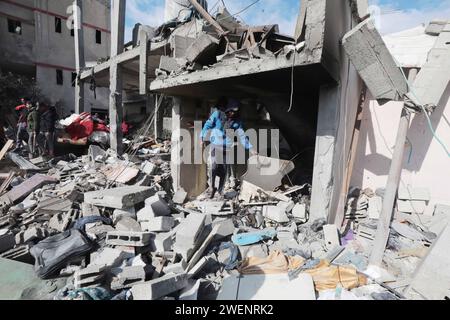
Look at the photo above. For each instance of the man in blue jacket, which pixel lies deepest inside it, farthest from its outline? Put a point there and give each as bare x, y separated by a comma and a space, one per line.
222, 127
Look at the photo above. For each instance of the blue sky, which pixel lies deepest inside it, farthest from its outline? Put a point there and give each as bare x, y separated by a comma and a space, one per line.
394, 15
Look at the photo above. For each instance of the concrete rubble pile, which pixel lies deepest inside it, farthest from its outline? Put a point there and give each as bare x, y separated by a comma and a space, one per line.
148, 242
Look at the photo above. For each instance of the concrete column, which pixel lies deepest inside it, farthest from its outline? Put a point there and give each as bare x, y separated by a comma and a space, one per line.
115, 72
79, 54
176, 148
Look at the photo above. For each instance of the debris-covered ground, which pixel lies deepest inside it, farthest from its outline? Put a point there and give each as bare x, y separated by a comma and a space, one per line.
106, 227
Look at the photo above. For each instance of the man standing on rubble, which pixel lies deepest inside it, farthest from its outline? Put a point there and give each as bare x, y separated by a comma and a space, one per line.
33, 128
222, 126
47, 127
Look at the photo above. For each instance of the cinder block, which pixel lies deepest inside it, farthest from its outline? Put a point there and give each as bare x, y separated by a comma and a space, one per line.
128, 224
168, 64
158, 224
160, 287
163, 242
128, 277
128, 238
109, 257
91, 276
119, 198
155, 206
179, 197
190, 229
148, 167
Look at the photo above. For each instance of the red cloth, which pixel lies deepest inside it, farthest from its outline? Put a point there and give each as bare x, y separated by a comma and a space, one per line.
22, 106
125, 127
81, 127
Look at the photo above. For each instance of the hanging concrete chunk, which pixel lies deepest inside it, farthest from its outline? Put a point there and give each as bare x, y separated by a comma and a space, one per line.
431, 280
374, 63
203, 49
160, 287
118, 198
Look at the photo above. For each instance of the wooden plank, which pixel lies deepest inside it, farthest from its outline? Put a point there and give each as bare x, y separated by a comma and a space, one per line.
6, 148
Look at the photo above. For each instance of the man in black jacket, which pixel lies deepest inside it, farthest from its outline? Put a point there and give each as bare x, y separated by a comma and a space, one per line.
47, 127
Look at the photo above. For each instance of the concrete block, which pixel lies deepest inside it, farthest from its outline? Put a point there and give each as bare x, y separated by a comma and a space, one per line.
158, 224
275, 213
109, 257
155, 206
287, 233
91, 276
190, 293
7, 240
375, 206
374, 63
128, 224
331, 234
299, 211
89, 210
118, 198
287, 206
168, 64
163, 242
190, 228
410, 193
431, 280
148, 167
177, 268
126, 212
411, 206
97, 154
129, 276
160, 287
180, 196
226, 228
203, 47
362, 7
30, 235
128, 238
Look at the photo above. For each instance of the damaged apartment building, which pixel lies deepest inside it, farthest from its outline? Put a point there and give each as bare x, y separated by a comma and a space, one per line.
37, 40
359, 200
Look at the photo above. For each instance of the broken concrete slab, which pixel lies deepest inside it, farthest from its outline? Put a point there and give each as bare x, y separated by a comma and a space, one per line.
190, 229
267, 287
148, 167
126, 212
110, 257
118, 198
89, 210
128, 224
155, 206
267, 173
128, 238
375, 205
331, 235
275, 213
431, 280
299, 212
180, 196
28, 186
163, 242
129, 276
158, 224
22, 162
202, 49
374, 63
160, 287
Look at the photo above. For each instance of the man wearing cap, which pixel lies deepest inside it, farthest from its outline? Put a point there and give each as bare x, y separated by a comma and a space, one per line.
222, 126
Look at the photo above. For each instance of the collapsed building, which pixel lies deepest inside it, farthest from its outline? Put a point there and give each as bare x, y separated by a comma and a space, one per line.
342, 210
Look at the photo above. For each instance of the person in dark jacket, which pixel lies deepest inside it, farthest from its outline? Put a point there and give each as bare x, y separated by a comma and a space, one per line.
33, 123
47, 122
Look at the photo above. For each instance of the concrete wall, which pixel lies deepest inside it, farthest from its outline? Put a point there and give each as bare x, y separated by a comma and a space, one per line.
425, 164
45, 50
16, 51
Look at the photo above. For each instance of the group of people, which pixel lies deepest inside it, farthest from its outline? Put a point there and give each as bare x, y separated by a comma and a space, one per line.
36, 125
